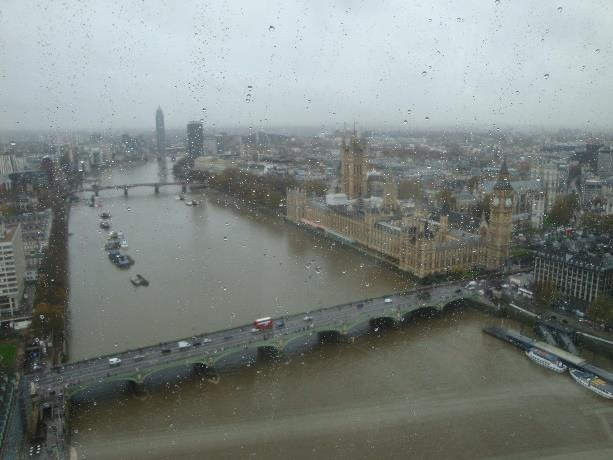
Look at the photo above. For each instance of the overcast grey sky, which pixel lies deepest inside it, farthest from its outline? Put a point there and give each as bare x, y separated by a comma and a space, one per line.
109, 64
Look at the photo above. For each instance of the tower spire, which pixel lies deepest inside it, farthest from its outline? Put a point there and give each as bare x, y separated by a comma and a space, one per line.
504, 178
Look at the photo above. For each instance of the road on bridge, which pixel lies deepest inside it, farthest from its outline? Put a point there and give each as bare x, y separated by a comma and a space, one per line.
97, 370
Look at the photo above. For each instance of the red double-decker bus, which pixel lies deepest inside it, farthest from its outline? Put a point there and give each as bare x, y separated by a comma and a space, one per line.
263, 323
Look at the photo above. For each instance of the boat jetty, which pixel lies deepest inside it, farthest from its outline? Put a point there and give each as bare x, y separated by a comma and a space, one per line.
598, 380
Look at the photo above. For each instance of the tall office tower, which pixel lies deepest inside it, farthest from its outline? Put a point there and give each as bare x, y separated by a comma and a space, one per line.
159, 131
195, 139
12, 269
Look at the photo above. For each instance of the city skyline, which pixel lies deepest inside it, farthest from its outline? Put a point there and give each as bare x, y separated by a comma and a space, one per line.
471, 64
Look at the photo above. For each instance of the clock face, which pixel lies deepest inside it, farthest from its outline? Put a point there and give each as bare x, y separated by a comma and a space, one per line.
508, 202
496, 201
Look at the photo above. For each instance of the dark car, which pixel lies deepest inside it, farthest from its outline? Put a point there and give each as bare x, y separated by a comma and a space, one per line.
165, 351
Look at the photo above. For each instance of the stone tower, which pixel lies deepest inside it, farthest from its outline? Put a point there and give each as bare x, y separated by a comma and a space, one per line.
353, 168
390, 194
498, 238
296, 204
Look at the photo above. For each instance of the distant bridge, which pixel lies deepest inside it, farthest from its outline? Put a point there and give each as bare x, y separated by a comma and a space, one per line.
209, 353
95, 188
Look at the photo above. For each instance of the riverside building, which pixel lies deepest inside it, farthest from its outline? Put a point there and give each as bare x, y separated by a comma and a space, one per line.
415, 243
12, 269
580, 268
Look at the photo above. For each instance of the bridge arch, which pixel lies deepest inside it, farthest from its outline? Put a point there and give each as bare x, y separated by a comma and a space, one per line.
235, 357
268, 352
425, 311
172, 371
106, 387
382, 322
453, 304
357, 328
300, 343
330, 336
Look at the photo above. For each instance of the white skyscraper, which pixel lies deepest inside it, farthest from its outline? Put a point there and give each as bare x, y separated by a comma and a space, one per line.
12, 269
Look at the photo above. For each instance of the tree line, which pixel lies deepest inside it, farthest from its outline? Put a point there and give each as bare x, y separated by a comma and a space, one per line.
268, 191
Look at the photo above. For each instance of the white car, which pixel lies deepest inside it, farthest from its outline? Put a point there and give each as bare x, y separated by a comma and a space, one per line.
308, 318
114, 362
206, 341
388, 300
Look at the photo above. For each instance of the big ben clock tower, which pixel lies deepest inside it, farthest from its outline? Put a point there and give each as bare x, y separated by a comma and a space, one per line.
498, 238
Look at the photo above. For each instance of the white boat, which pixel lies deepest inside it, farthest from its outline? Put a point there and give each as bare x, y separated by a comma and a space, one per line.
124, 243
592, 383
548, 360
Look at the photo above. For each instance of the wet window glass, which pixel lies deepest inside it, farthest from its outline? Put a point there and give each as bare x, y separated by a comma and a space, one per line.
306, 229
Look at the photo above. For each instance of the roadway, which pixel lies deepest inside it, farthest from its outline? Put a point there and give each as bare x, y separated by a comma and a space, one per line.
95, 187
139, 361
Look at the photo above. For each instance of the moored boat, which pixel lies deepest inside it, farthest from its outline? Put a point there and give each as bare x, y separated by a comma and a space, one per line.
592, 383
111, 245
139, 280
548, 360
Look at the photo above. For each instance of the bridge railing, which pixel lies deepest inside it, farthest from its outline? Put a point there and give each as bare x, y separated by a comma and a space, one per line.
347, 305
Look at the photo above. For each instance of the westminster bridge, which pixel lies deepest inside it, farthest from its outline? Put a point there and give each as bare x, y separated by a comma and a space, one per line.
208, 354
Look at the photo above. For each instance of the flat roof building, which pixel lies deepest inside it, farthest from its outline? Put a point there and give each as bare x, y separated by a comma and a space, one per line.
12, 269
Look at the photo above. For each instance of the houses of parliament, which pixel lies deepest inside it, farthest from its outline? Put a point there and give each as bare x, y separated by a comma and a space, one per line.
415, 243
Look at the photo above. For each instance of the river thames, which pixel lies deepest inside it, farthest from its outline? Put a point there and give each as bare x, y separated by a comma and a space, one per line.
437, 388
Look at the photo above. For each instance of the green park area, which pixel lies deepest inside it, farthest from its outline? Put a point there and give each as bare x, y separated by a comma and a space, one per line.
8, 354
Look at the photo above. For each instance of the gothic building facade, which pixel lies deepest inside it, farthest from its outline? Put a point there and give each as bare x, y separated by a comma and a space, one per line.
354, 166
415, 243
